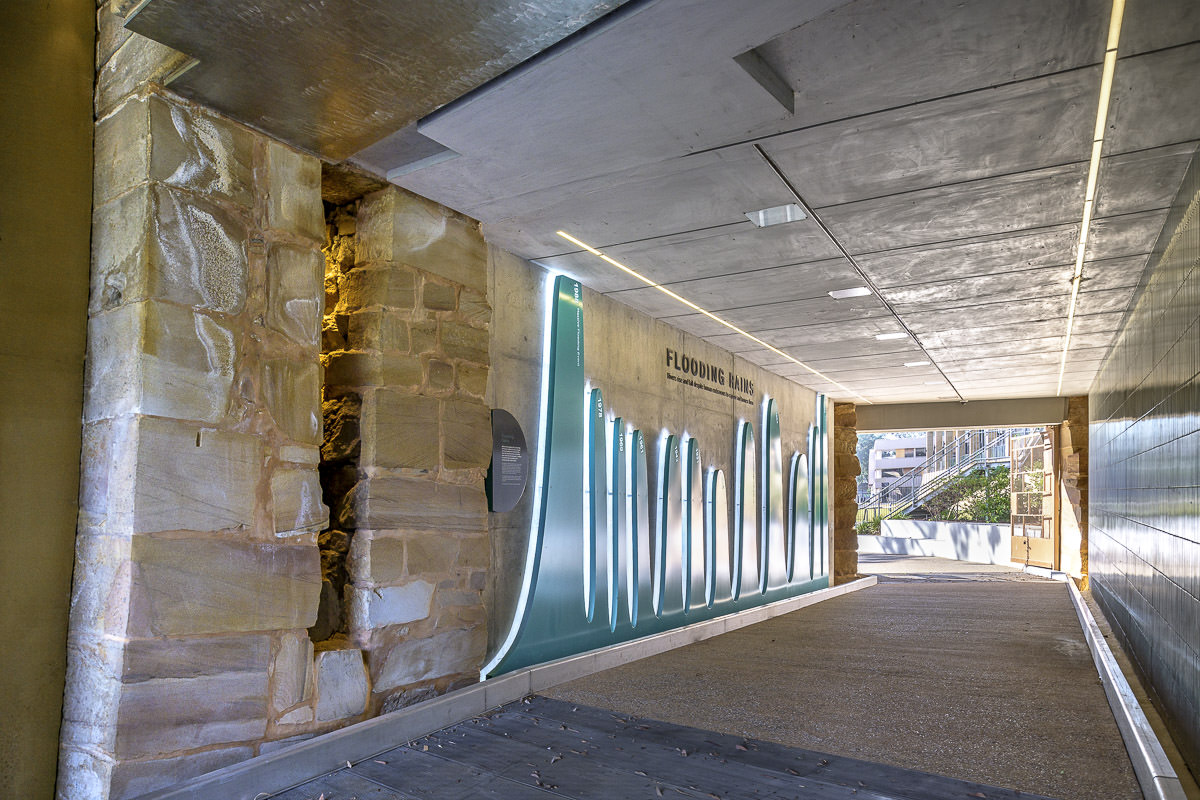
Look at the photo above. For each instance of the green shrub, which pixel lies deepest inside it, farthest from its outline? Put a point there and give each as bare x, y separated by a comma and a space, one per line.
977, 497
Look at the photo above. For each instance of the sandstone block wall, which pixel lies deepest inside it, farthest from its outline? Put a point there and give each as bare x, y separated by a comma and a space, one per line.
1073, 489
408, 442
197, 567
845, 492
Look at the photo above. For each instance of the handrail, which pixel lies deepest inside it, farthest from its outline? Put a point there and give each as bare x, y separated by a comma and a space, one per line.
925, 489
915, 472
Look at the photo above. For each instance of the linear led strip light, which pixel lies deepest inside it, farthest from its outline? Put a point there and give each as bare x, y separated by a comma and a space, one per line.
1089, 197
706, 313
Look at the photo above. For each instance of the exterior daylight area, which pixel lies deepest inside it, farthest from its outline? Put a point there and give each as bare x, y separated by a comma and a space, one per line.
600, 398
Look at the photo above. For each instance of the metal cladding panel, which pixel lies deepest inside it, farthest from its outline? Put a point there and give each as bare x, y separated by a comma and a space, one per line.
1144, 474
595, 574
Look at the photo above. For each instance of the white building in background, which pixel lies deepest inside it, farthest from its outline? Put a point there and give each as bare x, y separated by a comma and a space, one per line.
894, 457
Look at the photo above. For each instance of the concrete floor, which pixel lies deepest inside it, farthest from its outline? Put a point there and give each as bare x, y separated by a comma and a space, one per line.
970, 671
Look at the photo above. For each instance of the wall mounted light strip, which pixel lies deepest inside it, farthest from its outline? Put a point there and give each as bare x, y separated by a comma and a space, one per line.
853, 263
703, 311
1089, 196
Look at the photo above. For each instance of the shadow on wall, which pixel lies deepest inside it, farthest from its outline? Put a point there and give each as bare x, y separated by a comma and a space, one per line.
978, 542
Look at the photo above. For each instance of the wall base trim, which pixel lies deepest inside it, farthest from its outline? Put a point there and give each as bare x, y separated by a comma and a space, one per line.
279, 771
1154, 772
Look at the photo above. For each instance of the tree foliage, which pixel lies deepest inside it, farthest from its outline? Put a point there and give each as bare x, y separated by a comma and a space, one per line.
975, 497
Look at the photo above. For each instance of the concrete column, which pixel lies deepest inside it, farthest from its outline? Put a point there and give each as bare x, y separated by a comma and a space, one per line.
845, 505
1073, 489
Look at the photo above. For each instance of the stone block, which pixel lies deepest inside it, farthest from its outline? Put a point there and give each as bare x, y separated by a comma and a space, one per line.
111, 32
423, 337
296, 502
154, 242
353, 368
398, 227
401, 430
365, 330
420, 505
342, 439
475, 551
198, 586
464, 342
135, 778
165, 715
845, 565
473, 307
194, 657
407, 697
438, 296
466, 435
342, 687
845, 464
201, 152
99, 605
373, 608
423, 659
135, 63
378, 560
122, 151
377, 287
300, 454
295, 292
393, 332
292, 671
159, 359
472, 379
297, 716
294, 192
189, 478
292, 390
439, 376
432, 554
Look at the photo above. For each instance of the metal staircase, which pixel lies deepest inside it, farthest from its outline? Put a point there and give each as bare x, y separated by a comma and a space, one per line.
906, 495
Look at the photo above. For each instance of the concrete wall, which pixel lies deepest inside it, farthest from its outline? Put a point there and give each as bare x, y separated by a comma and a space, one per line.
1144, 474
46, 57
979, 542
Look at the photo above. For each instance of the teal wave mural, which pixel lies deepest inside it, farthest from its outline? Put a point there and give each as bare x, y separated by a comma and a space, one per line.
595, 572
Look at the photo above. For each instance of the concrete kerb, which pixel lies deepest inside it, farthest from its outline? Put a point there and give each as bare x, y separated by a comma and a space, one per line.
291, 766
1155, 774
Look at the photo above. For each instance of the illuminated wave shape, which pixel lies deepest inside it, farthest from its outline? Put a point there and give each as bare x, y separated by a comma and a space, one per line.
597, 573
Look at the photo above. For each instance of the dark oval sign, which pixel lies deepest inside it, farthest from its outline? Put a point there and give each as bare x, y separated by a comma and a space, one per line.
509, 469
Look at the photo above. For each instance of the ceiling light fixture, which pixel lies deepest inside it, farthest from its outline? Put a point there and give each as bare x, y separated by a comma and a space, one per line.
916, 363
857, 291
1089, 197
885, 337
776, 215
705, 312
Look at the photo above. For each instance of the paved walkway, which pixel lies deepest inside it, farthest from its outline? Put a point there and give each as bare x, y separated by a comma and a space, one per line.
983, 678
946, 680
542, 749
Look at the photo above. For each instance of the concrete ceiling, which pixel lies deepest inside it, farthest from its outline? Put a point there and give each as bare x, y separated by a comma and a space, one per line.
942, 145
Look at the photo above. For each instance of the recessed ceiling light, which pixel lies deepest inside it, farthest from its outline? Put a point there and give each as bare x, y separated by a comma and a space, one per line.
916, 363
842, 294
776, 215
883, 337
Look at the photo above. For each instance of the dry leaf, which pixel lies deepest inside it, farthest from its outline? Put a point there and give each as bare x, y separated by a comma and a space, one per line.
742, 747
